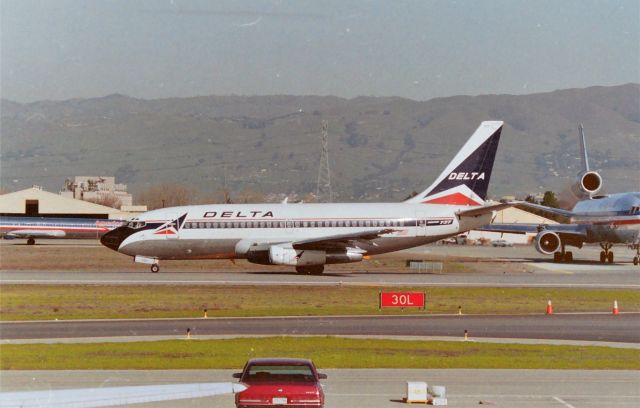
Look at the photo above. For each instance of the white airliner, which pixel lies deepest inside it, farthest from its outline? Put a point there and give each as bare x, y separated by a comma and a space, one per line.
308, 236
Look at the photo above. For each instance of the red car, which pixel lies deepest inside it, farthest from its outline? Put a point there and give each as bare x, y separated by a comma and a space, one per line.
280, 382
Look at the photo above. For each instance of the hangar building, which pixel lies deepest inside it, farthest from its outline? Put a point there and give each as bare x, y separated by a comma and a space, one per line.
35, 202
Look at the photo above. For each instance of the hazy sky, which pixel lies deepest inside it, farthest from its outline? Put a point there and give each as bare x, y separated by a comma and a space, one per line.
61, 49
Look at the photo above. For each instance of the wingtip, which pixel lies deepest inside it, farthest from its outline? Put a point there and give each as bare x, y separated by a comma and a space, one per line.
493, 123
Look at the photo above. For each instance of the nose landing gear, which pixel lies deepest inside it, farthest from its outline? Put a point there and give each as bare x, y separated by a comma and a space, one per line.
155, 268
636, 259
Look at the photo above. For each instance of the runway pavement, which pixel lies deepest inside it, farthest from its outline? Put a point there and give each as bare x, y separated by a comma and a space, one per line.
548, 276
588, 327
519, 266
380, 388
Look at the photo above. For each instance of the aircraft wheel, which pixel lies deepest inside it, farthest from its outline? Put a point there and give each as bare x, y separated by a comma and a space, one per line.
636, 261
310, 270
302, 270
603, 257
568, 256
31, 241
610, 257
155, 268
557, 257
316, 270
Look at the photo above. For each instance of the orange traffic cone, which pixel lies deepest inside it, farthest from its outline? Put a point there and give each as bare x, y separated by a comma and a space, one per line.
549, 308
616, 311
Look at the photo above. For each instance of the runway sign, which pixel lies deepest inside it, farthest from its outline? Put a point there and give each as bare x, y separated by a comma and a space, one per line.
402, 299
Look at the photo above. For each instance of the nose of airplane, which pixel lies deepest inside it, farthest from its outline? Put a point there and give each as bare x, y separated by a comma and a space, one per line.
114, 238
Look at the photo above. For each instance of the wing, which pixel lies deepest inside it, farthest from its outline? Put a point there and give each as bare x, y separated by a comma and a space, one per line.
511, 228
575, 231
556, 214
341, 241
103, 397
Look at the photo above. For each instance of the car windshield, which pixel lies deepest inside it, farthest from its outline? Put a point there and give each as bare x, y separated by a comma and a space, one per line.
278, 373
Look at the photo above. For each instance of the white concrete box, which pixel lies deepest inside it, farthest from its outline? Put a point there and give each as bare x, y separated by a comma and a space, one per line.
438, 401
416, 391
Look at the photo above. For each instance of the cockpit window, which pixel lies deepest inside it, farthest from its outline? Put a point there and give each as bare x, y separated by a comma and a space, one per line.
135, 224
634, 210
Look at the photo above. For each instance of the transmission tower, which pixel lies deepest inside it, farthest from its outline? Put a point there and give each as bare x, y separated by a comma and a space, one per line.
324, 174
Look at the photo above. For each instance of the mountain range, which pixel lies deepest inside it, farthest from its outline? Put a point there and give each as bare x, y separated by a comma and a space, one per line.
380, 148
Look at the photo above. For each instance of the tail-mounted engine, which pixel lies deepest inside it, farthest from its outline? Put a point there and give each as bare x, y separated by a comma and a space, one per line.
548, 242
587, 185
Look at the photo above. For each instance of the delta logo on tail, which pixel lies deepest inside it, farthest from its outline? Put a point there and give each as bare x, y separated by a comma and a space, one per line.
465, 181
171, 227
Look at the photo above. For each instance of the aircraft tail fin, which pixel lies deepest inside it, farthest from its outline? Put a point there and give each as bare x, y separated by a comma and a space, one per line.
466, 179
583, 149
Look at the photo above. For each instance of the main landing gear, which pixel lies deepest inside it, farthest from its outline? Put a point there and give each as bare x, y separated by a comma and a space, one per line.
606, 255
31, 241
562, 255
310, 270
636, 259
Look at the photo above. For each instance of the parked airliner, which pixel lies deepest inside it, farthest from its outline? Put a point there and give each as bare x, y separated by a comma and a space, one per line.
604, 219
308, 236
31, 228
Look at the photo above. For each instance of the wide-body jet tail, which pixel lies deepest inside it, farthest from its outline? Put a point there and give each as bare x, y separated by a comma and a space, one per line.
466, 179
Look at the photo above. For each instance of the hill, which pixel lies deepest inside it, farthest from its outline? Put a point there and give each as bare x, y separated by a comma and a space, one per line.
380, 148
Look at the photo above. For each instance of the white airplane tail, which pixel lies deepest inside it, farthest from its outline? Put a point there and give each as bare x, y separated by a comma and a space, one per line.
466, 179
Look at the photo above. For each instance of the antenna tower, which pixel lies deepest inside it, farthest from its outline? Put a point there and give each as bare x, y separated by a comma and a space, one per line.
324, 174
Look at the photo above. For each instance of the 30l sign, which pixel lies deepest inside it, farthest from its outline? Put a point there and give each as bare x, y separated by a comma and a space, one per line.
402, 299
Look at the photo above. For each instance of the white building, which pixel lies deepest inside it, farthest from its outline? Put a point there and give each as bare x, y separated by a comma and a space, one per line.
101, 190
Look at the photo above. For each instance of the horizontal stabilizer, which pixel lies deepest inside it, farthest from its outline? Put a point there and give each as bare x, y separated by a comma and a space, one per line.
485, 209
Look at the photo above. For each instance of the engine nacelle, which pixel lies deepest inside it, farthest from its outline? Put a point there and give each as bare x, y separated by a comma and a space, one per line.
343, 257
296, 257
586, 186
548, 242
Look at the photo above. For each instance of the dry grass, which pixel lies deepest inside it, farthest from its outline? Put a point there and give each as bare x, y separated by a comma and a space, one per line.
42, 302
327, 352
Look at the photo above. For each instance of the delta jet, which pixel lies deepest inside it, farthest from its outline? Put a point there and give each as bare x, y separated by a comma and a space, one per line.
308, 236
603, 219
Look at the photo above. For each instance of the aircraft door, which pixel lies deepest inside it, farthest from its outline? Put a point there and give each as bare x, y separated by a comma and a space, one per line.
421, 224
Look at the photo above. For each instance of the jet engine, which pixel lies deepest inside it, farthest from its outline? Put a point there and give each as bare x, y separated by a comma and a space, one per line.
586, 186
279, 255
296, 257
548, 242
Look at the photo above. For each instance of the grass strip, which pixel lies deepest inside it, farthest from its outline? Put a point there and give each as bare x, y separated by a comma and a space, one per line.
327, 352
47, 302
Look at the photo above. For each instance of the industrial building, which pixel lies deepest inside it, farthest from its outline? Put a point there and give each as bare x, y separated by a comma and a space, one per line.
100, 190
